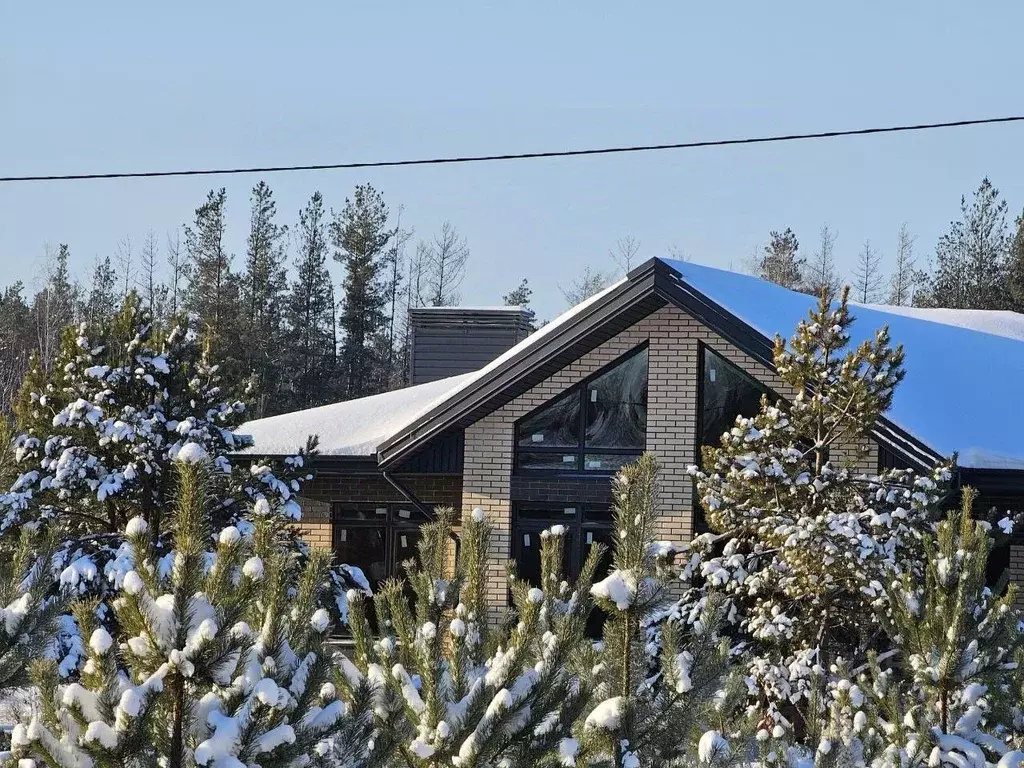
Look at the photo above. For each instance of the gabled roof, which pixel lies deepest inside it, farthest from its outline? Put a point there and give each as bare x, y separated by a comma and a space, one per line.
961, 392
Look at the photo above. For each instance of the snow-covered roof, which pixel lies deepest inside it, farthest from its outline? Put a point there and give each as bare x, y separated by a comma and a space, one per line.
1000, 322
357, 427
962, 392
350, 428
965, 369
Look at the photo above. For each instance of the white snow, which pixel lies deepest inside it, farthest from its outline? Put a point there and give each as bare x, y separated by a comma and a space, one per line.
619, 587
711, 745
359, 427
137, 526
964, 368
320, 620
192, 453
607, 715
100, 641
350, 428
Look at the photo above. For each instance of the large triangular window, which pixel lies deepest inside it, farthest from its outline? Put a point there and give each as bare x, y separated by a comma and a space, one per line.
597, 426
727, 391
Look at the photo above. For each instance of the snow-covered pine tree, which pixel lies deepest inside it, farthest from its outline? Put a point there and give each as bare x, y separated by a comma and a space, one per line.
664, 702
953, 695
31, 618
99, 436
449, 690
217, 657
802, 547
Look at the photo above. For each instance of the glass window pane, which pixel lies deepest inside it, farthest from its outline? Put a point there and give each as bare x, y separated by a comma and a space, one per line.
364, 547
551, 513
347, 511
616, 403
726, 392
556, 425
607, 462
566, 461
597, 514
406, 542
592, 536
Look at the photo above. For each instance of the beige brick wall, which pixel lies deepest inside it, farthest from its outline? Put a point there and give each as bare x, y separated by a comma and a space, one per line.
673, 338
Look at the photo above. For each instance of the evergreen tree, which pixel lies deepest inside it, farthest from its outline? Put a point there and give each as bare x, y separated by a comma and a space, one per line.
16, 344
212, 296
53, 308
262, 288
592, 281
780, 261
519, 296
801, 546
101, 302
821, 275
218, 658
971, 257
950, 690
310, 315
450, 690
652, 708
360, 235
29, 623
867, 275
905, 274
1015, 264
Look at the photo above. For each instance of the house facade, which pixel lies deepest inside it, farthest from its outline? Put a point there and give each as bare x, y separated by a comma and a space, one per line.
662, 361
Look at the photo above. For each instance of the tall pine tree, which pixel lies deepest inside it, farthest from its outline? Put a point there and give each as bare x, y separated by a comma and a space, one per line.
360, 235
780, 261
262, 287
212, 296
971, 258
312, 354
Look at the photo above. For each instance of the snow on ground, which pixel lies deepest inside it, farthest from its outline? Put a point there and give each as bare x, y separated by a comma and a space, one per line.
349, 428
964, 371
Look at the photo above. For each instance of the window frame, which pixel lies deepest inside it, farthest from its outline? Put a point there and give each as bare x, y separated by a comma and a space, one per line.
580, 450
393, 523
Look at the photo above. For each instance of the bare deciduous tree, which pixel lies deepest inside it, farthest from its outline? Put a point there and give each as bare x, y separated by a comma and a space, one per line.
867, 275
624, 253
905, 274
177, 265
446, 260
820, 274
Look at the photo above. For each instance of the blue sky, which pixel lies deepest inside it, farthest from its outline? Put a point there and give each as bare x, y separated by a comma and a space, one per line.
129, 86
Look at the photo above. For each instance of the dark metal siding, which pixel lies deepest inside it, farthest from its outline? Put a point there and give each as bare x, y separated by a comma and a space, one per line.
442, 455
447, 341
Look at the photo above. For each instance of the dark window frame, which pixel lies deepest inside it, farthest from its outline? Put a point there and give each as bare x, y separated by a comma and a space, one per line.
580, 450
392, 522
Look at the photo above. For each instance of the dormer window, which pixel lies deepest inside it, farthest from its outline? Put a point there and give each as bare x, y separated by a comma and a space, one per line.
597, 426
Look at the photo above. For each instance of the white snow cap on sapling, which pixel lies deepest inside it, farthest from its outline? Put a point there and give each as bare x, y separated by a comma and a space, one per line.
253, 568
137, 526
229, 535
132, 583
618, 587
607, 715
100, 641
711, 745
261, 507
535, 595
457, 627
192, 453
478, 514
266, 690
320, 620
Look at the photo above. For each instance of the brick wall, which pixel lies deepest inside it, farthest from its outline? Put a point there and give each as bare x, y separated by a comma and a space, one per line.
1017, 571
673, 367
329, 487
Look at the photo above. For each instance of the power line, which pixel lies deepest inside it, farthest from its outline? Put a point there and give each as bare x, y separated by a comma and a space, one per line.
516, 156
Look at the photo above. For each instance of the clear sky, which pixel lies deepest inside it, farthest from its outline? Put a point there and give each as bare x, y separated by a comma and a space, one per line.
131, 86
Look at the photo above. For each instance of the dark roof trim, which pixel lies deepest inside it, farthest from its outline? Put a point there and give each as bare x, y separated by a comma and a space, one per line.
617, 309
348, 464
